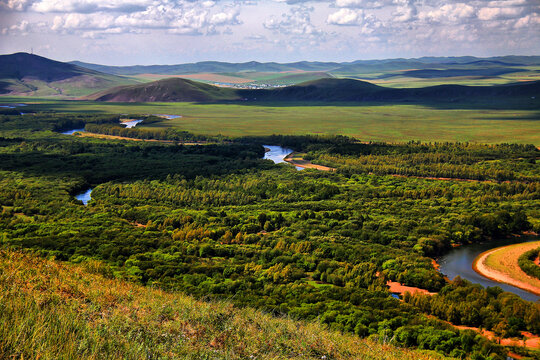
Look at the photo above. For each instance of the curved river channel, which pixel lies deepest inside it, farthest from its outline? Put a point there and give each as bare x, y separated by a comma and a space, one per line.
459, 262
85, 196
456, 262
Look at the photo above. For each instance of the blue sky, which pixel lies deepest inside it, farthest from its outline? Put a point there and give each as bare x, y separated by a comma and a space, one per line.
127, 32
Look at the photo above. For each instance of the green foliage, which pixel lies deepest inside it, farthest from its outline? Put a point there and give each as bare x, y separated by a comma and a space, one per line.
527, 264
216, 221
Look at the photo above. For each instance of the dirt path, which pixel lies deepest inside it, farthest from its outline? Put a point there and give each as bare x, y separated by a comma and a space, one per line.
114, 137
508, 270
529, 340
295, 159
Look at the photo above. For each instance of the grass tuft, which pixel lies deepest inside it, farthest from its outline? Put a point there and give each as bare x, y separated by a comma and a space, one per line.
53, 310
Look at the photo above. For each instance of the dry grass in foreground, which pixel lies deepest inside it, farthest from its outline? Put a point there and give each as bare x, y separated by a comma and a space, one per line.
52, 310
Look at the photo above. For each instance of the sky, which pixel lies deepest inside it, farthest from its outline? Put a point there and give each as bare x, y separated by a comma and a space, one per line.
129, 32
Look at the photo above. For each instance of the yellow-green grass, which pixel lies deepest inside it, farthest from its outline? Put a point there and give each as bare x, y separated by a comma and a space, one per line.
392, 123
379, 123
505, 260
50, 310
529, 73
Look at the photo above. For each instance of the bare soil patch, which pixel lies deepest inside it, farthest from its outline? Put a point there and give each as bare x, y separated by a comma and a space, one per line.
528, 339
296, 160
397, 288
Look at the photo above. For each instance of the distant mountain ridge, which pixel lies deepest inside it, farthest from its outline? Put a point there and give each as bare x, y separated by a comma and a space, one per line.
23, 73
334, 67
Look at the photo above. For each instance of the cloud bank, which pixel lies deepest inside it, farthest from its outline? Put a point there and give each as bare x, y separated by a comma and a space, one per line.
342, 29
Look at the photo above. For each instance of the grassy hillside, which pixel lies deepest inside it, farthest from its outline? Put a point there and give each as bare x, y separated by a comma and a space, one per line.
27, 74
52, 310
348, 90
323, 90
166, 90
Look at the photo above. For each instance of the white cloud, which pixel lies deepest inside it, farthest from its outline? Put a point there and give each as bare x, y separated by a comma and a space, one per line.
346, 17
528, 21
405, 11
182, 20
508, 3
296, 22
228, 17
16, 5
20, 29
496, 13
90, 6
449, 12
363, 4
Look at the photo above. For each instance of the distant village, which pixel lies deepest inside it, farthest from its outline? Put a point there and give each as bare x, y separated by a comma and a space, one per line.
248, 85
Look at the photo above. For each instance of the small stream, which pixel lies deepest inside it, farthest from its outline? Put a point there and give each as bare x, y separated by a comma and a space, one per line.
168, 117
459, 262
128, 124
72, 131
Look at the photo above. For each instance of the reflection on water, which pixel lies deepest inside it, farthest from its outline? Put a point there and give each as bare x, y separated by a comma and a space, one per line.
12, 106
169, 117
276, 153
132, 123
459, 262
84, 196
73, 131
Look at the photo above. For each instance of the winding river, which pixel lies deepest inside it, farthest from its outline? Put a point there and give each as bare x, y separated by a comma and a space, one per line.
459, 262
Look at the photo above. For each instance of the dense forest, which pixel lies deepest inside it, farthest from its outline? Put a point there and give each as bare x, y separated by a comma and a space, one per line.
218, 221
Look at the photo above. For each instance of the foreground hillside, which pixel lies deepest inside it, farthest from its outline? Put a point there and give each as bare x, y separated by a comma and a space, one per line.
51, 310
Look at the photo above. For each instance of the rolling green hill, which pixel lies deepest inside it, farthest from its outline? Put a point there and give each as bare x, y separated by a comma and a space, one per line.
322, 90
26, 74
166, 90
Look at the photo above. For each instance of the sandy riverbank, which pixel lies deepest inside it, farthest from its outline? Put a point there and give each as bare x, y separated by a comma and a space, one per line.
296, 160
508, 270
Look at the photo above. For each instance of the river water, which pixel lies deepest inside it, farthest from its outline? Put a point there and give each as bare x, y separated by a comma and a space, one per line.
168, 117
459, 262
85, 196
277, 154
132, 123
72, 131
127, 124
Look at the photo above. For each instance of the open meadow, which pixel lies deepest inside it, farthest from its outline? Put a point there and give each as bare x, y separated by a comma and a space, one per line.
391, 123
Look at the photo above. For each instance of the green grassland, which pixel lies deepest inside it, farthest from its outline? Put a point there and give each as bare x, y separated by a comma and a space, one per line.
529, 73
393, 123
